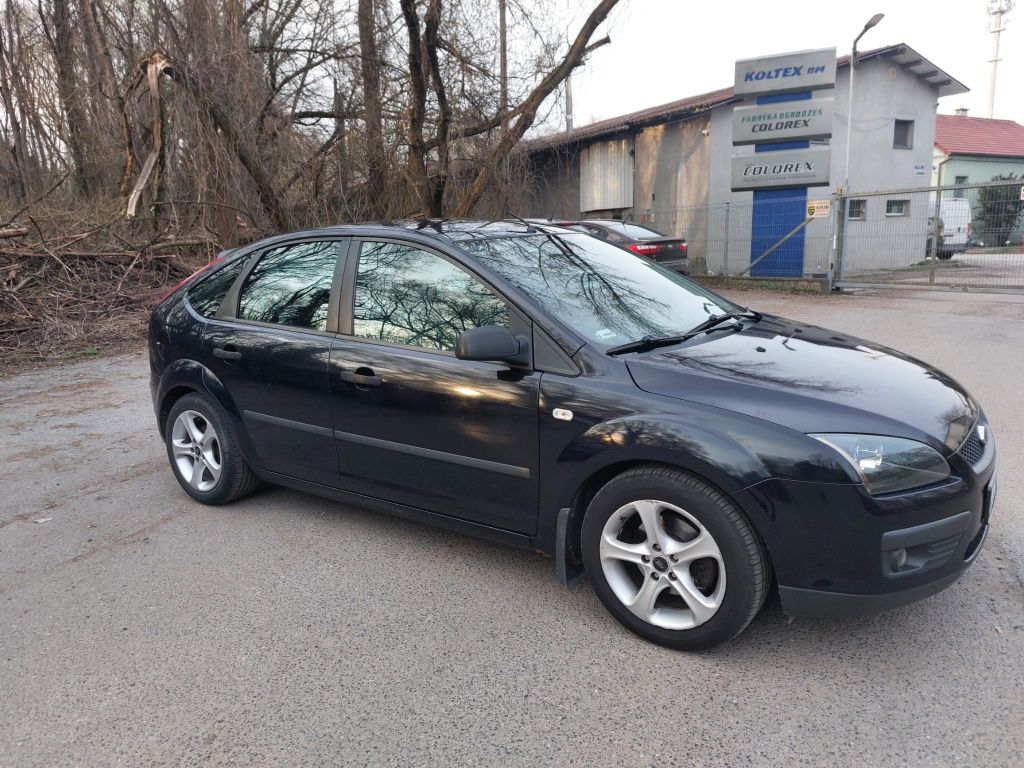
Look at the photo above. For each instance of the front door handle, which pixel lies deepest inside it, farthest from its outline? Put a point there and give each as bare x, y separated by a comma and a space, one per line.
362, 377
227, 353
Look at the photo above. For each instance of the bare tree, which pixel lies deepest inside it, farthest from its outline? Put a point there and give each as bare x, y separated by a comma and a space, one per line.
288, 112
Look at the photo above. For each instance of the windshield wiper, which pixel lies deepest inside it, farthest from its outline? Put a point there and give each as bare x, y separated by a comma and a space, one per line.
709, 325
714, 320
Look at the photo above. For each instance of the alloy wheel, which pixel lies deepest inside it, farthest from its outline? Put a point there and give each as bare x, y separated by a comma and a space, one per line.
197, 451
662, 564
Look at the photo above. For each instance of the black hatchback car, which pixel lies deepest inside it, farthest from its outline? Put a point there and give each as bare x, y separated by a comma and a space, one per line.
544, 388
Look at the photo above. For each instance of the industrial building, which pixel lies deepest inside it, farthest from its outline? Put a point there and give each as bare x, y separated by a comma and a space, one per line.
671, 165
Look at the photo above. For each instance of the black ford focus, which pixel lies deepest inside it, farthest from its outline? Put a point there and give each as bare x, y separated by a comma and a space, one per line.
544, 388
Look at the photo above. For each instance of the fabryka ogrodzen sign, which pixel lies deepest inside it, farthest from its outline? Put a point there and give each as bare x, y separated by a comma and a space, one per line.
802, 120
788, 121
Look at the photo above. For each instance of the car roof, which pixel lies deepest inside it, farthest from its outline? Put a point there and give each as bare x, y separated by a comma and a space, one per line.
448, 232
454, 230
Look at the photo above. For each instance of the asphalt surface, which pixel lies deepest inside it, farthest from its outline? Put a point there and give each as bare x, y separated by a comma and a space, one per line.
999, 268
142, 629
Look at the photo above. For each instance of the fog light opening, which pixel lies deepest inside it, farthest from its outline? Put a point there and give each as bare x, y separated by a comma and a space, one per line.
897, 559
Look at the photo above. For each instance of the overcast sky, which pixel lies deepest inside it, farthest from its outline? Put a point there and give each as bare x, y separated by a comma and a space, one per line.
663, 50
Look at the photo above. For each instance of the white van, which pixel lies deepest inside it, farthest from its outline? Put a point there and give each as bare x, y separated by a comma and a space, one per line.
957, 226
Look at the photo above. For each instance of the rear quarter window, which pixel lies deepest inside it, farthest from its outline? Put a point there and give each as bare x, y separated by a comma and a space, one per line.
206, 296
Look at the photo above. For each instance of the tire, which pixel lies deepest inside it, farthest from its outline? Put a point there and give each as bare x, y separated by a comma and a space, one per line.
945, 255
224, 473
716, 553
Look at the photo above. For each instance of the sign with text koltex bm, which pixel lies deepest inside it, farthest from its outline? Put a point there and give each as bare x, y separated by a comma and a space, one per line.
785, 168
787, 121
787, 73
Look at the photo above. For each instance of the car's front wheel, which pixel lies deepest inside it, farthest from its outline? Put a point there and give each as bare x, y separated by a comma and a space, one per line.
673, 559
204, 452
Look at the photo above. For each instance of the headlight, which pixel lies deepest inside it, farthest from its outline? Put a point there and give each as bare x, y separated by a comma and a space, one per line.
889, 464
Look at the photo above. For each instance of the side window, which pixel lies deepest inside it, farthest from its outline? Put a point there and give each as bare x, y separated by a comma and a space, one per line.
407, 296
206, 296
291, 285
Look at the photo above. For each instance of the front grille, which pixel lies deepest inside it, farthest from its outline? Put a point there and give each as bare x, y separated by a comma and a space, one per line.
972, 448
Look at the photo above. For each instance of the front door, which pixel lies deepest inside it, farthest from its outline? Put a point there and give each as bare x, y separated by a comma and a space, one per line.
270, 351
416, 425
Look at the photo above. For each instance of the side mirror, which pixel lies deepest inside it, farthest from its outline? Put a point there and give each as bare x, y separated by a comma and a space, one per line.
487, 342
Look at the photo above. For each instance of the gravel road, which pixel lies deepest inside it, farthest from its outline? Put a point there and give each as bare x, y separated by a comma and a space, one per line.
140, 628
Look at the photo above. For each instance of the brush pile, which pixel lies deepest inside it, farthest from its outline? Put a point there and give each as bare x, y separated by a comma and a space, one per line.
75, 282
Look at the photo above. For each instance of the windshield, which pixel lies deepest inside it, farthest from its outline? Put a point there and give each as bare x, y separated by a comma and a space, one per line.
605, 294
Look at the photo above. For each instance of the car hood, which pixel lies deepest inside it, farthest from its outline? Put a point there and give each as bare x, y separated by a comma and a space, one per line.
813, 380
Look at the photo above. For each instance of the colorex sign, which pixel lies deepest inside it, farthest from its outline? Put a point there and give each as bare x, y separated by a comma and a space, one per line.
790, 72
786, 168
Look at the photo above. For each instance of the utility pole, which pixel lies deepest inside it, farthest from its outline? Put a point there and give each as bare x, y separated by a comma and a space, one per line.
997, 10
503, 62
568, 102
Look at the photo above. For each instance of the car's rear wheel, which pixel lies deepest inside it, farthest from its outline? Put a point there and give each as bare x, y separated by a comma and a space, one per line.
204, 452
673, 559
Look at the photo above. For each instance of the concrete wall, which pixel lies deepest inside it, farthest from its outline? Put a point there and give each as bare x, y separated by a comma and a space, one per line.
672, 172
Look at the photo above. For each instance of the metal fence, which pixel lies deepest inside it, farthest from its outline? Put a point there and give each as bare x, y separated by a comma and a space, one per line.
957, 237
967, 236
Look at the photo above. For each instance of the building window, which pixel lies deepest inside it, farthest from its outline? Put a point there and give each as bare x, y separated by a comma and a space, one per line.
897, 207
903, 135
858, 210
959, 190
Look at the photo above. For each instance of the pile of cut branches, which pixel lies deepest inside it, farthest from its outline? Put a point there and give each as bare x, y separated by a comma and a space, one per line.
76, 282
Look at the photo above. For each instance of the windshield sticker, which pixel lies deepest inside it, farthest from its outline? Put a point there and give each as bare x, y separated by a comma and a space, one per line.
605, 334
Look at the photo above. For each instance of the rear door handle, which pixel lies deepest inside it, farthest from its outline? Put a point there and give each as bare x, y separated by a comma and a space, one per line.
365, 379
227, 353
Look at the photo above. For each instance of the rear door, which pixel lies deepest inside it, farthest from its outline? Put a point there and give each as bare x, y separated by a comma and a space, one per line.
269, 346
956, 219
414, 424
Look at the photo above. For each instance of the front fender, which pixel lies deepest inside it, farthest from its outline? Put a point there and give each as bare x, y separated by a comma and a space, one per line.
729, 450
656, 438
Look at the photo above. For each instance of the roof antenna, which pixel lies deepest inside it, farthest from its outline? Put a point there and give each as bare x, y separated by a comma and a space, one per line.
554, 239
521, 220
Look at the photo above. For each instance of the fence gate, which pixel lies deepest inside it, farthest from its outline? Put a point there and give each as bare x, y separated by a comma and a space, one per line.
964, 237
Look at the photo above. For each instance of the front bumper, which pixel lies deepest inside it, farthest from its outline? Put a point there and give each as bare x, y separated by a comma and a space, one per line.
837, 551
820, 604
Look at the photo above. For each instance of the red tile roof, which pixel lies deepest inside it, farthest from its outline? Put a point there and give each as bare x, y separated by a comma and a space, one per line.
957, 135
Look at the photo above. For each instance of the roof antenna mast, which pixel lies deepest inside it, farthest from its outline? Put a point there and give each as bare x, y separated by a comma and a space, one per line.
997, 21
